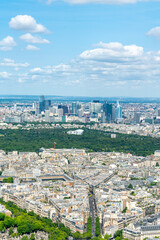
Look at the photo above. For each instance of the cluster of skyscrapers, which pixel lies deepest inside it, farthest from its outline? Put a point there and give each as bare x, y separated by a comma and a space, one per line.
111, 113
42, 105
84, 112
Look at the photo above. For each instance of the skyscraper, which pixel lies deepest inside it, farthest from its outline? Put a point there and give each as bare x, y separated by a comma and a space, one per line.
103, 117
47, 104
64, 107
44, 104
41, 104
137, 117
74, 107
109, 111
95, 107
118, 112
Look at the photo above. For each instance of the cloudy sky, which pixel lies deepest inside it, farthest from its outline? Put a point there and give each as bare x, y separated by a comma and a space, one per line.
80, 47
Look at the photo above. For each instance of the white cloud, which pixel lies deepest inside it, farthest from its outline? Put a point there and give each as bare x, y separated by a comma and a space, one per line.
33, 39
23, 77
20, 80
155, 32
11, 63
34, 77
113, 51
36, 70
4, 75
7, 43
107, 64
61, 69
99, 1
32, 48
27, 23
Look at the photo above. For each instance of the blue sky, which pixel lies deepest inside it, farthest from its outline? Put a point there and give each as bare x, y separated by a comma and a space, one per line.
80, 47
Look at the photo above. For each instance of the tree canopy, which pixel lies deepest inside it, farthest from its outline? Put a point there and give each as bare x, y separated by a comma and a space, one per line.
92, 140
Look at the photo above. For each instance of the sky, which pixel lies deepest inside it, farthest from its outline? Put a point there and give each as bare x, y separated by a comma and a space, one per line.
105, 48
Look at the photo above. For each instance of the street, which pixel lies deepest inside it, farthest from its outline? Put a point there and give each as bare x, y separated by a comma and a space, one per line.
93, 209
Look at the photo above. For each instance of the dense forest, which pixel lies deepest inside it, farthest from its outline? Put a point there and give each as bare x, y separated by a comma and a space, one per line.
91, 140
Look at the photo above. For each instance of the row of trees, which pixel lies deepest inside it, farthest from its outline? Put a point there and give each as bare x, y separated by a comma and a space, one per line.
89, 225
98, 227
86, 235
8, 180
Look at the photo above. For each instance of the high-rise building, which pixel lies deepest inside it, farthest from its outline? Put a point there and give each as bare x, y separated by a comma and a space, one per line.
44, 104
65, 109
36, 107
95, 107
42, 99
74, 107
47, 116
118, 112
80, 113
41, 104
103, 117
137, 117
109, 111
47, 104
60, 112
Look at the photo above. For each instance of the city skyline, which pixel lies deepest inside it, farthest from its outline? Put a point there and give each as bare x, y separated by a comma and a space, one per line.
80, 48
